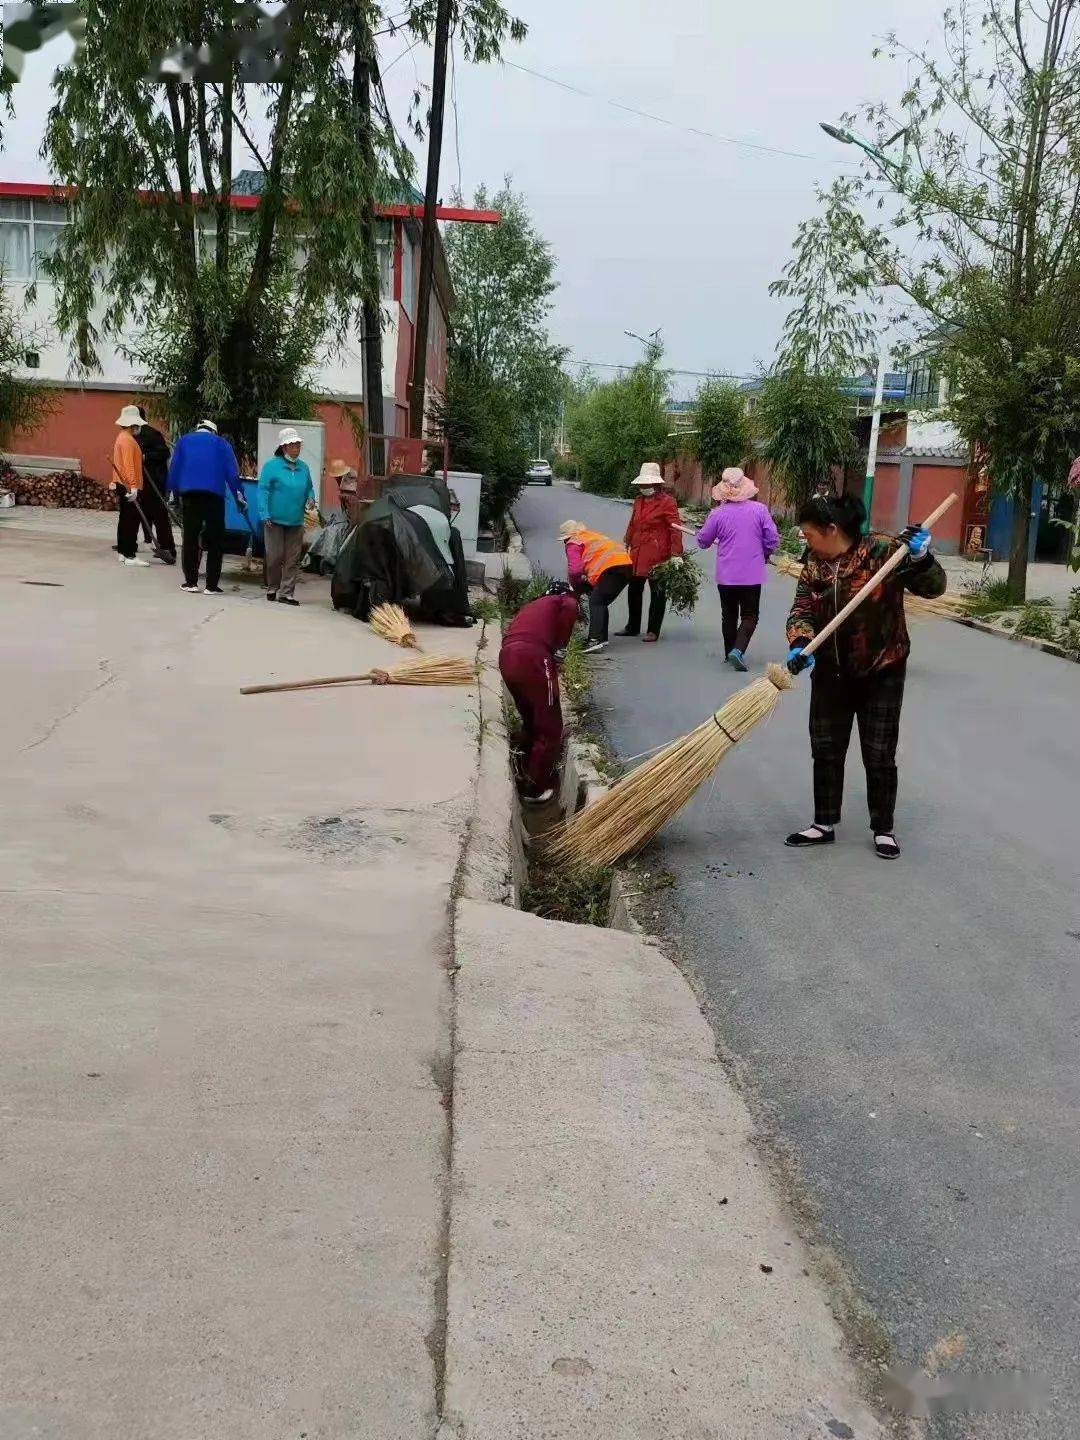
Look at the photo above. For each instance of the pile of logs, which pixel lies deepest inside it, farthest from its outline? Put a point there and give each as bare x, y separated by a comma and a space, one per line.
63, 490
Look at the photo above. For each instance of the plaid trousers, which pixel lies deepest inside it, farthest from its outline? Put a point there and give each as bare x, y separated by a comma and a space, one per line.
835, 702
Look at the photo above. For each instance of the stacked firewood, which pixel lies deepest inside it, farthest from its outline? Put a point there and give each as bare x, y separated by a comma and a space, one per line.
63, 490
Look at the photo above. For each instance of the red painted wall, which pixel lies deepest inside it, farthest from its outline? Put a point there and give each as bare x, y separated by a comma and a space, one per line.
83, 425
886, 491
340, 444
929, 486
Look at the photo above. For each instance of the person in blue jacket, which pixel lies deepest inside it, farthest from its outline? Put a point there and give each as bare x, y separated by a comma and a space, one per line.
202, 467
285, 489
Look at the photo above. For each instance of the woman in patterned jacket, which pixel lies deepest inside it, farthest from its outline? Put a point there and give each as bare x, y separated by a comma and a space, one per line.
859, 674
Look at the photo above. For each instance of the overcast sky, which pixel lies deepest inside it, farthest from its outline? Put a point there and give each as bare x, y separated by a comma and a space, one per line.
653, 226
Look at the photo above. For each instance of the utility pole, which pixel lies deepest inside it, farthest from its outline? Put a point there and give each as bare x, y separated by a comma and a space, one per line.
875, 428
363, 65
431, 200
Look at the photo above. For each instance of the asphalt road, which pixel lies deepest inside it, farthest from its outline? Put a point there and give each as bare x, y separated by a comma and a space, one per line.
910, 1029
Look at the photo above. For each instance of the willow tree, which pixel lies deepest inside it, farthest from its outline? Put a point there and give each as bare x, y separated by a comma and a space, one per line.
237, 306
984, 242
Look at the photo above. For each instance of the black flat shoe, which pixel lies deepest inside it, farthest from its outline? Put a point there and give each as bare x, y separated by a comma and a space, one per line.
886, 847
633, 634
287, 600
798, 841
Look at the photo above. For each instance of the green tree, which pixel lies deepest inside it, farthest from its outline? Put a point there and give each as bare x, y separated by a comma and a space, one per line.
504, 278
23, 403
724, 433
212, 278
805, 428
613, 427
984, 246
827, 280
480, 419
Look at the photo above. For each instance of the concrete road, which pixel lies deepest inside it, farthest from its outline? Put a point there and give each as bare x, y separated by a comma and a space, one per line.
224, 1032
911, 1031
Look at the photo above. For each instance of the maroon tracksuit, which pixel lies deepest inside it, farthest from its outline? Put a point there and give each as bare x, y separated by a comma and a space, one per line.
527, 665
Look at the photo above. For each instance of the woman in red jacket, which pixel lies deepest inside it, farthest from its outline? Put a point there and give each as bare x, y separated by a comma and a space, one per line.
651, 539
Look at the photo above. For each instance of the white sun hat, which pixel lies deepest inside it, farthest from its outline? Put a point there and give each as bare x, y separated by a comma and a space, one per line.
129, 416
649, 474
207, 425
289, 436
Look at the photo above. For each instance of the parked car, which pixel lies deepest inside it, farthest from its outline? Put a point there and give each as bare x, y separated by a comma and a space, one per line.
539, 473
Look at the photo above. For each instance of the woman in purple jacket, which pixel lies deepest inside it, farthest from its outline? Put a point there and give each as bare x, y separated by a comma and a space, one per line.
743, 532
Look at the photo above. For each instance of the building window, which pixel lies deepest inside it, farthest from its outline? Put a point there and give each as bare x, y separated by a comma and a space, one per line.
924, 386
384, 249
30, 230
408, 279
16, 239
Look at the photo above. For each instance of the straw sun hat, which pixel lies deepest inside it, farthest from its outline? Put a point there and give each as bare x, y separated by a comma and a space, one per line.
649, 474
570, 527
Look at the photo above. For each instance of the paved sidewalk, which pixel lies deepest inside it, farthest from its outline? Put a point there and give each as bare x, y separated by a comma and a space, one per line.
225, 1039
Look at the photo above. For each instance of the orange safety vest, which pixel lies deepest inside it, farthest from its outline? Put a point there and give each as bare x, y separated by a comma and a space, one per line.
599, 553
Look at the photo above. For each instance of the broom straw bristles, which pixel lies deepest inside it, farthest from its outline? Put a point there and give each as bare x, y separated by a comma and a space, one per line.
391, 623
635, 808
429, 670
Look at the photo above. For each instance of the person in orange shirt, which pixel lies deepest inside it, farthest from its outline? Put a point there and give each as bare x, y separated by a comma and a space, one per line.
599, 567
127, 479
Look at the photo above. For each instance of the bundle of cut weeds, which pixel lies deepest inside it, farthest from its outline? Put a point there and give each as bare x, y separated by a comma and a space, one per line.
425, 670
391, 623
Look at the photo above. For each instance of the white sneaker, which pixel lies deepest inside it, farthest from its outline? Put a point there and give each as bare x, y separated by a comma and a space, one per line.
594, 647
541, 799
145, 564
192, 589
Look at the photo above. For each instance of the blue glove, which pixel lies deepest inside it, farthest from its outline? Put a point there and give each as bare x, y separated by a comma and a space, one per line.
917, 541
797, 662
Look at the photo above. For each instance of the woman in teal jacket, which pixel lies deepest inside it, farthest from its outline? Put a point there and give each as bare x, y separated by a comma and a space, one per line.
284, 491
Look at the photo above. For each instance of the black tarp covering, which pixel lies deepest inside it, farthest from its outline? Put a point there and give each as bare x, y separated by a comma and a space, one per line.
392, 556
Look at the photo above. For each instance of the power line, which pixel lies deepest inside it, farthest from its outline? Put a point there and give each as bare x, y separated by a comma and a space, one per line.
671, 369
673, 124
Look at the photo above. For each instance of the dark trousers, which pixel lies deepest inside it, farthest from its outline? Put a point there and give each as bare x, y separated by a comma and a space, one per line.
739, 607
204, 527
128, 524
874, 701
157, 514
607, 589
635, 594
530, 676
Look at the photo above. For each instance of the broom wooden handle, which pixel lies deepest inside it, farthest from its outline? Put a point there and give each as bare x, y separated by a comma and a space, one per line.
686, 530
305, 684
876, 579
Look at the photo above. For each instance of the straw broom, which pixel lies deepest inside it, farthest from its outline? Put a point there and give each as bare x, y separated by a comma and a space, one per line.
391, 623
425, 670
634, 809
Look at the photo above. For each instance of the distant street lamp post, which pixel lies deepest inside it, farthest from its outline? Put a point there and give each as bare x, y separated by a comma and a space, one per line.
848, 137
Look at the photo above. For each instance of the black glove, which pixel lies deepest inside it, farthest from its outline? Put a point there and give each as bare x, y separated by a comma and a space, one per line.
797, 662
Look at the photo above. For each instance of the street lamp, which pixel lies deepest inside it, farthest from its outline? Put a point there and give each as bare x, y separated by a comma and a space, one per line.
654, 338
848, 137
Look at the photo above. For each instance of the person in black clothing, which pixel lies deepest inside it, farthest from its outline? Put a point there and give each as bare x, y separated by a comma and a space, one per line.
155, 454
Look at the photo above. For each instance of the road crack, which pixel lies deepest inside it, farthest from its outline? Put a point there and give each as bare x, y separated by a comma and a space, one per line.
108, 678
